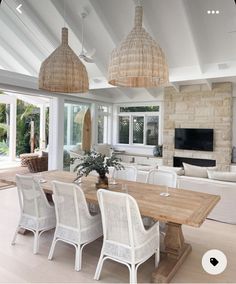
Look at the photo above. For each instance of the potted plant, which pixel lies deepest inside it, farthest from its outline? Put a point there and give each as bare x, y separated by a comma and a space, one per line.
94, 161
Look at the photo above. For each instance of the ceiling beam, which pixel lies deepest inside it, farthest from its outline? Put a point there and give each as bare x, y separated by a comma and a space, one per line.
14, 23
99, 12
28, 85
37, 25
187, 14
11, 63
16, 55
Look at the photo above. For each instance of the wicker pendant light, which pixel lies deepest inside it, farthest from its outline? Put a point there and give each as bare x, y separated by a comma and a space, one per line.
63, 71
138, 61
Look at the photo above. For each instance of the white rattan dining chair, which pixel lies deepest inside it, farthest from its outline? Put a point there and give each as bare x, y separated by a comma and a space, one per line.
160, 177
75, 224
37, 215
128, 173
125, 238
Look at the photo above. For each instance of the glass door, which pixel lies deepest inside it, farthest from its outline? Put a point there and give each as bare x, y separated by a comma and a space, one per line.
73, 130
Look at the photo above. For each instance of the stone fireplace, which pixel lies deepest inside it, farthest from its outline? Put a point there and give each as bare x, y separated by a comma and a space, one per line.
198, 107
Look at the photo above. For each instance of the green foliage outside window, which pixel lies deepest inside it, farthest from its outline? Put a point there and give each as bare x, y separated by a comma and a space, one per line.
25, 114
140, 109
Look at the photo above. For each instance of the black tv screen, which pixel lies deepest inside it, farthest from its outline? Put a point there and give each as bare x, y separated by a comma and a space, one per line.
194, 139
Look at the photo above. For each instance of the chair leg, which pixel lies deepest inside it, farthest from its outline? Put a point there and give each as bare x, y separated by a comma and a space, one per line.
133, 274
157, 257
78, 258
15, 236
36, 242
99, 267
51, 252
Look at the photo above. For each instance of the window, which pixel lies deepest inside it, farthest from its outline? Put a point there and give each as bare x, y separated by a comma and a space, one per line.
139, 125
73, 123
124, 129
152, 130
103, 124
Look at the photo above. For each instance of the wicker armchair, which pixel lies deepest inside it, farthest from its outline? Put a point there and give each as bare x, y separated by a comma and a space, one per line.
26, 156
37, 164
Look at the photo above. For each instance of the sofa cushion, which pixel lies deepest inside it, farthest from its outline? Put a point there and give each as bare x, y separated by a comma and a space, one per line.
178, 170
196, 171
224, 176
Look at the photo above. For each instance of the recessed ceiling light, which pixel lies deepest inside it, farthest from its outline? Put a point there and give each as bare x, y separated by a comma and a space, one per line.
213, 11
208, 12
217, 12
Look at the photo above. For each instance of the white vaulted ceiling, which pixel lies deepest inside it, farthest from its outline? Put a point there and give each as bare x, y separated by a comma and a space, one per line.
199, 47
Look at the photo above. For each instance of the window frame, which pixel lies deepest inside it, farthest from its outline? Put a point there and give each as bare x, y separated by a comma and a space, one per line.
108, 114
131, 115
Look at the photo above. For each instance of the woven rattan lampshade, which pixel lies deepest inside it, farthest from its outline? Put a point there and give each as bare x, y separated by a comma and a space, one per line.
138, 61
63, 71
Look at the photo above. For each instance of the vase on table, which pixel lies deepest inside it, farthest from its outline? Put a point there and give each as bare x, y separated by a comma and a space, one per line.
102, 182
157, 151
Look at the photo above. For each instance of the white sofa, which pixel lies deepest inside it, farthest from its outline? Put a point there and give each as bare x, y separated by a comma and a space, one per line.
225, 210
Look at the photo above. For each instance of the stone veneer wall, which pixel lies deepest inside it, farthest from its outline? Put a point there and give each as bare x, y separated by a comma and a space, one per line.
196, 107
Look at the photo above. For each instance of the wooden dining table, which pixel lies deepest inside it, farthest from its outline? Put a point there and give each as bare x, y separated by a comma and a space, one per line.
181, 207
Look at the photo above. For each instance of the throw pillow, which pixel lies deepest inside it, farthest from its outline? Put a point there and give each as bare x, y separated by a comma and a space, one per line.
224, 176
178, 170
44, 154
196, 171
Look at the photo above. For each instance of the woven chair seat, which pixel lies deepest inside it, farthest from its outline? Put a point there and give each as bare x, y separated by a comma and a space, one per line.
37, 164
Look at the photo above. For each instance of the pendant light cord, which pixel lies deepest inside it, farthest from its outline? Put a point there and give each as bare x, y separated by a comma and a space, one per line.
83, 15
64, 13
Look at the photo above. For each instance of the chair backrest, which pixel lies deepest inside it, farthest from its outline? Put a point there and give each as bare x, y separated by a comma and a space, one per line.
70, 205
121, 219
128, 173
32, 198
159, 177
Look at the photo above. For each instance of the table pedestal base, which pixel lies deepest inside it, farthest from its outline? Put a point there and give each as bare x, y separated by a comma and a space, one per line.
176, 251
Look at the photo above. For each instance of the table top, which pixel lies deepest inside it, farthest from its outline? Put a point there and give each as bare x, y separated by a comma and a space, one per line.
181, 207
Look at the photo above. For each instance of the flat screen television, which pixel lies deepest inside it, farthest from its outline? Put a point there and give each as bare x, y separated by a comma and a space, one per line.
194, 139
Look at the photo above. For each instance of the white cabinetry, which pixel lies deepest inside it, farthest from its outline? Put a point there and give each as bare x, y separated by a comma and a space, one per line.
141, 160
